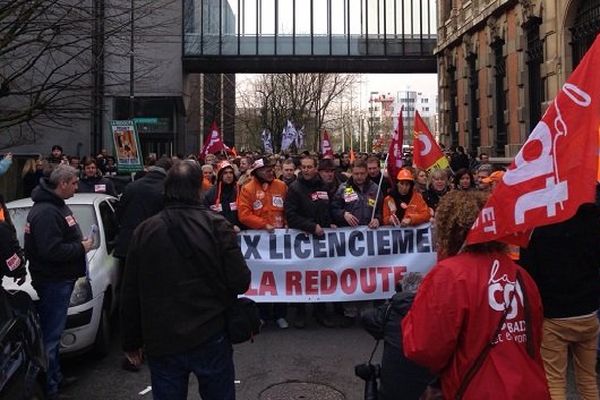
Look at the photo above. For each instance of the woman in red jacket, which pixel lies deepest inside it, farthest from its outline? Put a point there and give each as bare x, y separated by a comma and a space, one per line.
477, 317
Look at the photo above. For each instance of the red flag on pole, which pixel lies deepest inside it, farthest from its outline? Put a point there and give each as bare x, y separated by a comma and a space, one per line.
427, 154
556, 169
352, 156
326, 149
394, 160
213, 142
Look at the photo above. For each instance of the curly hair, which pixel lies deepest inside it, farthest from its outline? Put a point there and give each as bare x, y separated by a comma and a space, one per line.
455, 214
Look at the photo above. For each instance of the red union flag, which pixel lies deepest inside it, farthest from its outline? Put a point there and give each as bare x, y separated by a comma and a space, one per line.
213, 142
556, 169
394, 163
427, 154
326, 150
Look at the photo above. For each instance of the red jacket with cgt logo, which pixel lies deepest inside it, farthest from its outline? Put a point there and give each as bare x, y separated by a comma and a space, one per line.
455, 314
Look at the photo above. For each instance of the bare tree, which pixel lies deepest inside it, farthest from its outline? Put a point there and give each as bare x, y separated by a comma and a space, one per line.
52, 56
305, 99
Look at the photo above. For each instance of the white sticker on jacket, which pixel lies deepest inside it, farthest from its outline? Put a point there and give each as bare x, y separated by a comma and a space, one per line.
278, 201
233, 206
70, 220
257, 205
13, 262
100, 188
319, 195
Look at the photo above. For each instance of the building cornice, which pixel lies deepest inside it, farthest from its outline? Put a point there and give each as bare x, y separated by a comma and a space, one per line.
467, 20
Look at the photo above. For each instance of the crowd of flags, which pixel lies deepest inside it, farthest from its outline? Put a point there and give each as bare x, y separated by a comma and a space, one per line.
427, 152
556, 170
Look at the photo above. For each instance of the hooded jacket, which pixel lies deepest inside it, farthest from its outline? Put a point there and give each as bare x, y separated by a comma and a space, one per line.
53, 238
307, 204
222, 198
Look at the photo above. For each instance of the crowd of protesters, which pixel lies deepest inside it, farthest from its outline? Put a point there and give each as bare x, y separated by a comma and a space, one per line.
312, 193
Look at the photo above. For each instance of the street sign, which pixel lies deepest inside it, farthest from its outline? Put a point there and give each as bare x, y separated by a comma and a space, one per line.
146, 120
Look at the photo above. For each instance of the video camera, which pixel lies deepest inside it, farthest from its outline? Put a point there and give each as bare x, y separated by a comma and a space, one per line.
369, 373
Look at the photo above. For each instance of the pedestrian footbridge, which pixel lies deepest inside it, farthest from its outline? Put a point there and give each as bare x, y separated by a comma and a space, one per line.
271, 36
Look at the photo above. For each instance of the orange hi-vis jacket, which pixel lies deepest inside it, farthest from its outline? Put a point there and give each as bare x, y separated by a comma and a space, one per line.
416, 209
262, 204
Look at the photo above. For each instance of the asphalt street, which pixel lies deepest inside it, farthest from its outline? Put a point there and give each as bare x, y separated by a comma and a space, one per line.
314, 363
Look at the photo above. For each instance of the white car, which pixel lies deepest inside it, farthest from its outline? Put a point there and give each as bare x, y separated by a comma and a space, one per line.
93, 300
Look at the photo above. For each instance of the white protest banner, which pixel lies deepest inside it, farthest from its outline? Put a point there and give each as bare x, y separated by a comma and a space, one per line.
345, 264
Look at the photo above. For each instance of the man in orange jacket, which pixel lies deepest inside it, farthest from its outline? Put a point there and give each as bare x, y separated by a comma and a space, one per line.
260, 206
260, 203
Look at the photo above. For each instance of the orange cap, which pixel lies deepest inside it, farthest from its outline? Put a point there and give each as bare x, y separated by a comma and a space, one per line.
404, 175
495, 176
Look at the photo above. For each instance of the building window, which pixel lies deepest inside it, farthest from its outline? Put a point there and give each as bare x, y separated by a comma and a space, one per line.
453, 99
535, 58
500, 96
585, 28
474, 134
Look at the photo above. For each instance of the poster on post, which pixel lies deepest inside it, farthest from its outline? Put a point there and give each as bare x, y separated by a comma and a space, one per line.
345, 264
127, 146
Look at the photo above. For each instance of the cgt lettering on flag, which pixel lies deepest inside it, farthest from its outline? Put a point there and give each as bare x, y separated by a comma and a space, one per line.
556, 170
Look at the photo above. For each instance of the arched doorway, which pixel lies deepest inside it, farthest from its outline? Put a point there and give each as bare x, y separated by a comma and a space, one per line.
586, 26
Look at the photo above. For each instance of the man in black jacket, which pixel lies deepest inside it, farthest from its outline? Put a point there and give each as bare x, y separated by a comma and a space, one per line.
142, 199
184, 268
307, 209
564, 261
56, 251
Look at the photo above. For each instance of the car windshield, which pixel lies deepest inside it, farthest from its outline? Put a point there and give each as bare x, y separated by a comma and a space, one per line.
84, 214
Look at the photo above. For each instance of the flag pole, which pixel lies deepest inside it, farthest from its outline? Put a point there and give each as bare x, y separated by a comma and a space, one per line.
379, 187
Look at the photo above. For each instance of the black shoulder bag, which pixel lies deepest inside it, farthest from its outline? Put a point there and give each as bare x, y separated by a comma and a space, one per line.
242, 317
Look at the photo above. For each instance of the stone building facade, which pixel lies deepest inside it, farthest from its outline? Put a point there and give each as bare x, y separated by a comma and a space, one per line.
501, 62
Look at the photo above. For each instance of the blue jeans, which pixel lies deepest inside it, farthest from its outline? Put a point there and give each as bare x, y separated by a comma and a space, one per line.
211, 362
52, 309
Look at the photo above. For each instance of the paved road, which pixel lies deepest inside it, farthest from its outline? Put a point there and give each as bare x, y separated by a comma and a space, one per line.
315, 363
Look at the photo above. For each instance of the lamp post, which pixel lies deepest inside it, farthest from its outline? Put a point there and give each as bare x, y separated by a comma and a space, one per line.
131, 61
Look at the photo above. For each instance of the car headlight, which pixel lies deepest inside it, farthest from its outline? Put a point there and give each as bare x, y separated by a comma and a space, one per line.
82, 292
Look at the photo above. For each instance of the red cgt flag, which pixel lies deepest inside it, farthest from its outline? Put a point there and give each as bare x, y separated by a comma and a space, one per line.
394, 161
556, 169
326, 149
213, 142
427, 154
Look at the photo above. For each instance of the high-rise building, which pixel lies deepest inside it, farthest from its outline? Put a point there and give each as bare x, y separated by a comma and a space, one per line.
412, 101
